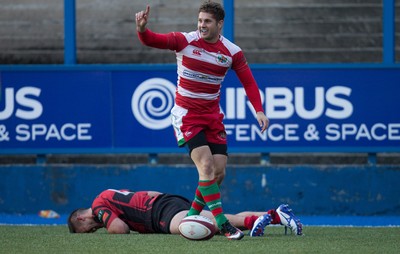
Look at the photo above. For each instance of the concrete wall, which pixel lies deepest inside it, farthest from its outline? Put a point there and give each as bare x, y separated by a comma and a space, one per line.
269, 31
309, 189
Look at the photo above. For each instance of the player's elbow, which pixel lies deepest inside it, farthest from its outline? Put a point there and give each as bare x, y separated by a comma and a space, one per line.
119, 230
118, 227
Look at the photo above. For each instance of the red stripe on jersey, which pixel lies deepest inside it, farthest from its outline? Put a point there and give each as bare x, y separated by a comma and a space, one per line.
198, 105
204, 67
198, 87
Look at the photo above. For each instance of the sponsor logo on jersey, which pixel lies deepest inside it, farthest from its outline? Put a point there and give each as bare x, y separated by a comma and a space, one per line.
196, 52
221, 59
104, 216
200, 76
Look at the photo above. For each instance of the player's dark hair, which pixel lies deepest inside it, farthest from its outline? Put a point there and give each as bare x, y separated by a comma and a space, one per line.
213, 8
72, 217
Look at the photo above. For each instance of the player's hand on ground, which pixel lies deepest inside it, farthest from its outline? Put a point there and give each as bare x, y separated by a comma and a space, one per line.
263, 121
141, 19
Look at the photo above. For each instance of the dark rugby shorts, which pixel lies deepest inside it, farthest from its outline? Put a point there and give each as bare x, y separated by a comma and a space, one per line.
165, 208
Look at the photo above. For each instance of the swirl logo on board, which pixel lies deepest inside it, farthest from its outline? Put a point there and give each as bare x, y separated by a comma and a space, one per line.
152, 102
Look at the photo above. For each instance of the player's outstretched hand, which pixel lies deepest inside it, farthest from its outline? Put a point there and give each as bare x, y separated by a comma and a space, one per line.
141, 19
263, 121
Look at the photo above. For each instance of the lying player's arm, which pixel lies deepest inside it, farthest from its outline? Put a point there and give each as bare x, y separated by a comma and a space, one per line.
117, 226
153, 193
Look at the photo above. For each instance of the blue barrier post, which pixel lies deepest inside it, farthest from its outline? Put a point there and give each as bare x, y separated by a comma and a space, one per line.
69, 32
41, 159
265, 159
372, 159
388, 31
229, 23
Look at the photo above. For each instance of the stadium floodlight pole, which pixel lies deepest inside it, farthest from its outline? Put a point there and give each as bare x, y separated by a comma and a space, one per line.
69, 32
388, 31
229, 22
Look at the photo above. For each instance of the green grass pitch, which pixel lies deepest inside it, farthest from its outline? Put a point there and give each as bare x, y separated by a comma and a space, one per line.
57, 239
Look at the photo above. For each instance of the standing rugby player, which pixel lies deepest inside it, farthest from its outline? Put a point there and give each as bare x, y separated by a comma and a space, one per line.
204, 58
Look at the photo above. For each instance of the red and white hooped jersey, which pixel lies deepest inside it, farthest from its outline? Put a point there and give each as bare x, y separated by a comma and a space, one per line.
202, 66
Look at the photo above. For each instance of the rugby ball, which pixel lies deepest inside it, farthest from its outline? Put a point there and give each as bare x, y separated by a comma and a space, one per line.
197, 227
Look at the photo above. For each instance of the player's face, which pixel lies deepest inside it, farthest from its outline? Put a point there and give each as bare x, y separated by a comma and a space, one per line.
88, 229
87, 226
208, 27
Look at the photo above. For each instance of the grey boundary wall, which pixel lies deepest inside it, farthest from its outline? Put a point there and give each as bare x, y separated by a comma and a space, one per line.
269, 31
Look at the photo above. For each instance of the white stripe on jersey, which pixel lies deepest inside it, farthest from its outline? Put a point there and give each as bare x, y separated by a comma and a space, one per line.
199, 76
191, 36
204, 96
194, 35
208, 57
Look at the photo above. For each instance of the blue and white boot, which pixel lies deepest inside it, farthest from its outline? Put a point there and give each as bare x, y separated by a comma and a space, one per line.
260, 224
289, 220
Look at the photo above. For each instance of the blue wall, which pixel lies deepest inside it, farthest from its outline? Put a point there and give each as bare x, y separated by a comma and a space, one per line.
310, 190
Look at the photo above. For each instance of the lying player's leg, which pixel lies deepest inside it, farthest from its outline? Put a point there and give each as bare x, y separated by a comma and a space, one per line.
255, 221
236, 220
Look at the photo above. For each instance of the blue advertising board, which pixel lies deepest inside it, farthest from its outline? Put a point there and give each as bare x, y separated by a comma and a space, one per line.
128, 110
55, 110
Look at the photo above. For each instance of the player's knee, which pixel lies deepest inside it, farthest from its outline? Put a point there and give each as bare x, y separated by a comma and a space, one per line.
206, 168
219, 176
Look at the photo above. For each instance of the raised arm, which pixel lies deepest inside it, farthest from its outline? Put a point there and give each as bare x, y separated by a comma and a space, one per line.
141, 19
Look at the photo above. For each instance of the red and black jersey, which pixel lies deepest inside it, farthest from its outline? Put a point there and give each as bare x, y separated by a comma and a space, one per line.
134, 208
